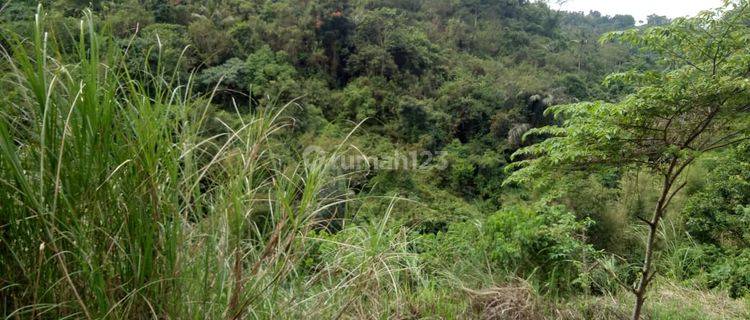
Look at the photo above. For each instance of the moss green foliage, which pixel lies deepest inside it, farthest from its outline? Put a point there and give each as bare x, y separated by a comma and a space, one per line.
154, 164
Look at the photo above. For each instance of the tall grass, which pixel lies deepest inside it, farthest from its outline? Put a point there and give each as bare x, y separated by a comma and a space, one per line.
116, 203
124, 194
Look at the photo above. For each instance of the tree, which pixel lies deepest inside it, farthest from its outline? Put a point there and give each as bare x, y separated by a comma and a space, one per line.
263, 74
211, 44
697, 103
656, 20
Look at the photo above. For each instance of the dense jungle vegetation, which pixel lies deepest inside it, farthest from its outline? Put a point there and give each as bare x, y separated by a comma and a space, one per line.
372, 159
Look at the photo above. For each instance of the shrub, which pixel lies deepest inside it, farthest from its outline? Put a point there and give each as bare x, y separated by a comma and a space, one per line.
732, 273
542, 244
720, 214
718, 219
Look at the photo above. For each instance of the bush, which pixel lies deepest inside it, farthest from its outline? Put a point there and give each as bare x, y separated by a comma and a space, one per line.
544, 242
720, 214
718, 219
732, 273
541, 244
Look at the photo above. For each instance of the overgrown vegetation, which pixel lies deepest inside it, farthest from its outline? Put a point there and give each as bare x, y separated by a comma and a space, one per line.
349, 159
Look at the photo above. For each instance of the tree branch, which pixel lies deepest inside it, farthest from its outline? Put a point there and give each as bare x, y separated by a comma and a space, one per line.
644, 220
710, 148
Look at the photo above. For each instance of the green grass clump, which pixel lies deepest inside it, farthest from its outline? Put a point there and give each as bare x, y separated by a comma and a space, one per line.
124, 196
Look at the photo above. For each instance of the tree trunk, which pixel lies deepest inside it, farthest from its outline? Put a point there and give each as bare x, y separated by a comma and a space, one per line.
646, 273
639, 299
653, 225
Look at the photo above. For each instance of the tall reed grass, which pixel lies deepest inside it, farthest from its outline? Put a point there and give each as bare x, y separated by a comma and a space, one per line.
118, 199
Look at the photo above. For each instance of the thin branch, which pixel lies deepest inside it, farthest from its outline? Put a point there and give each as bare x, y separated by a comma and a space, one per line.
701, 127
644, 220
725, 144
726, 137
